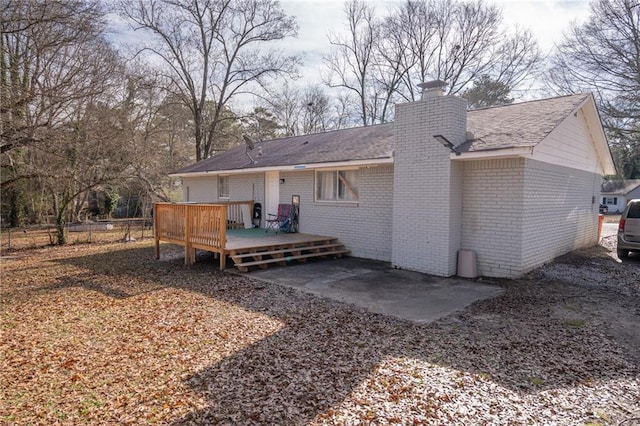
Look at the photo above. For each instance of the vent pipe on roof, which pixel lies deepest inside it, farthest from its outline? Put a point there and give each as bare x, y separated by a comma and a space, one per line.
432, 89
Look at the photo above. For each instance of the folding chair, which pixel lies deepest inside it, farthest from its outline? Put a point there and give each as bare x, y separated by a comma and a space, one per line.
282, 221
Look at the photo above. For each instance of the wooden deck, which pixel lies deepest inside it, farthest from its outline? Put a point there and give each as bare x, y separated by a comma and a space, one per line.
256, 247
205, 227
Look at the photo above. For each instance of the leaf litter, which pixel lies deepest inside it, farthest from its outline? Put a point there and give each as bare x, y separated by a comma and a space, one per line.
105, 334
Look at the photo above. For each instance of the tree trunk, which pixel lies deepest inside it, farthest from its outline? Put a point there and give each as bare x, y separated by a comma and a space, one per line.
60, 209
16, 210
60, 222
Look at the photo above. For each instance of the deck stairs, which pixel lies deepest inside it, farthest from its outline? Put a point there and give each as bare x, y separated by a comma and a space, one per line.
284, 253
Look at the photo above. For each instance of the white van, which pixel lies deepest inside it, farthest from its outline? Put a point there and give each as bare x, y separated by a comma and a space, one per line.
629, 229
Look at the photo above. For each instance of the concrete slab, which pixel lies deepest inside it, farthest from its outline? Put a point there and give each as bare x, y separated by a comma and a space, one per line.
378, 287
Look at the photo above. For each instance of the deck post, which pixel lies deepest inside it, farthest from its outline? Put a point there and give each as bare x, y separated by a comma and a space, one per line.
187, 235
155, 230
223, 238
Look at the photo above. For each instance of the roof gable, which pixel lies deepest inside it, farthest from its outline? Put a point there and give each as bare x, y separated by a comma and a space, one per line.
518, 125
578, 142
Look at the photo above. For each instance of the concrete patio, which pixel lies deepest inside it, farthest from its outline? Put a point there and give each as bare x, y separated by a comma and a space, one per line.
378, 287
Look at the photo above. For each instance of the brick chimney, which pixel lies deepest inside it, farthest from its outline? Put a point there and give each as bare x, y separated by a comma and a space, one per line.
427, 184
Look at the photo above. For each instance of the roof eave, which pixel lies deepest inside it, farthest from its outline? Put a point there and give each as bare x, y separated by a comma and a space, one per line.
288, 168
488, 154
600, 138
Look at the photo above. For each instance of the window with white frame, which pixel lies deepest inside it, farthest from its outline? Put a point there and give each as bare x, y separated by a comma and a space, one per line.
337, 185
223, 186
611, 201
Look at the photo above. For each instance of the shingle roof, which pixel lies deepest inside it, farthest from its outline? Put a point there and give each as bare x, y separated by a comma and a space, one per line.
619, 186
358, 143
516, 125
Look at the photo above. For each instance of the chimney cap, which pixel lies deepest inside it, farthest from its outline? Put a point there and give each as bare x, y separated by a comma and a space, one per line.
435, 84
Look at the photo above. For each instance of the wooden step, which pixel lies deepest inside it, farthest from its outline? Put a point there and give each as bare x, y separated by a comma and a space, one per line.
284, 250
244, 267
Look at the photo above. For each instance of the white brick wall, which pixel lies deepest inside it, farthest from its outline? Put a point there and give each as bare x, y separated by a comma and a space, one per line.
426, 214
247, 187
519, 213
492, 208
559, 212
241, 187
200, 189
364, 228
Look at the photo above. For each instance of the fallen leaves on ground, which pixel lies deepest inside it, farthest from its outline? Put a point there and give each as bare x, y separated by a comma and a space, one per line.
105, 334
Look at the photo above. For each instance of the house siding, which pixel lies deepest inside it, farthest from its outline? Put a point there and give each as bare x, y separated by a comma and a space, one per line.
364, 227
200, 189
516, 213
492, 210
620, 202
570, 145
559, 214
426, 209
247, 187
241, 187
633, 194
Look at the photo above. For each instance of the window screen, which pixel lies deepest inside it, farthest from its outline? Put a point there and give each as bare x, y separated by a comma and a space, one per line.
337, 185
223, 186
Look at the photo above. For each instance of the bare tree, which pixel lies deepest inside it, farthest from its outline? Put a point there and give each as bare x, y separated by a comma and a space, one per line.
87, 154
343, 112
162, 135
53, 59
284, 103
351, 60
213, 52
308, 109
42, 72
601, 55
517, 60
458, 42
315, 107
382, 61
391, 66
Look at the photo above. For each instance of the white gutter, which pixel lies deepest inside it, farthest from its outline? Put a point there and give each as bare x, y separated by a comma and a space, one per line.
296, 167
523, 151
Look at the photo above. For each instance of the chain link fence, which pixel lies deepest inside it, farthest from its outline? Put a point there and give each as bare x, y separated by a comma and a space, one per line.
76, 233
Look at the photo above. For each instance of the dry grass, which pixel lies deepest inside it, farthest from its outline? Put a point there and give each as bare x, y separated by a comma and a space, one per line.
41, 236
104, 334
612, 218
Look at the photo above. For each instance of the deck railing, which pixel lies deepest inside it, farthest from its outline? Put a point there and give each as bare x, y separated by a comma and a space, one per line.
198, 226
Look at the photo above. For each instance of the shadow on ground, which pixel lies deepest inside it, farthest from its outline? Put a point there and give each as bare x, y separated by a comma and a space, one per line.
327, 349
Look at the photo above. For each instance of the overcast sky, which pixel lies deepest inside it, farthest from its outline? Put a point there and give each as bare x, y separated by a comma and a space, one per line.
547, 19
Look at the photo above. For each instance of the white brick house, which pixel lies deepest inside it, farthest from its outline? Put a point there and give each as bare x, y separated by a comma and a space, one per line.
518, 184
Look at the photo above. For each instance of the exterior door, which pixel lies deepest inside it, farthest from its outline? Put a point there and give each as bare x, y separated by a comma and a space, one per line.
272, 189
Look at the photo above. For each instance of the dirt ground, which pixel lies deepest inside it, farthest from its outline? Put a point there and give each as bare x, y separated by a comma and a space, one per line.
106, 334
603, 288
